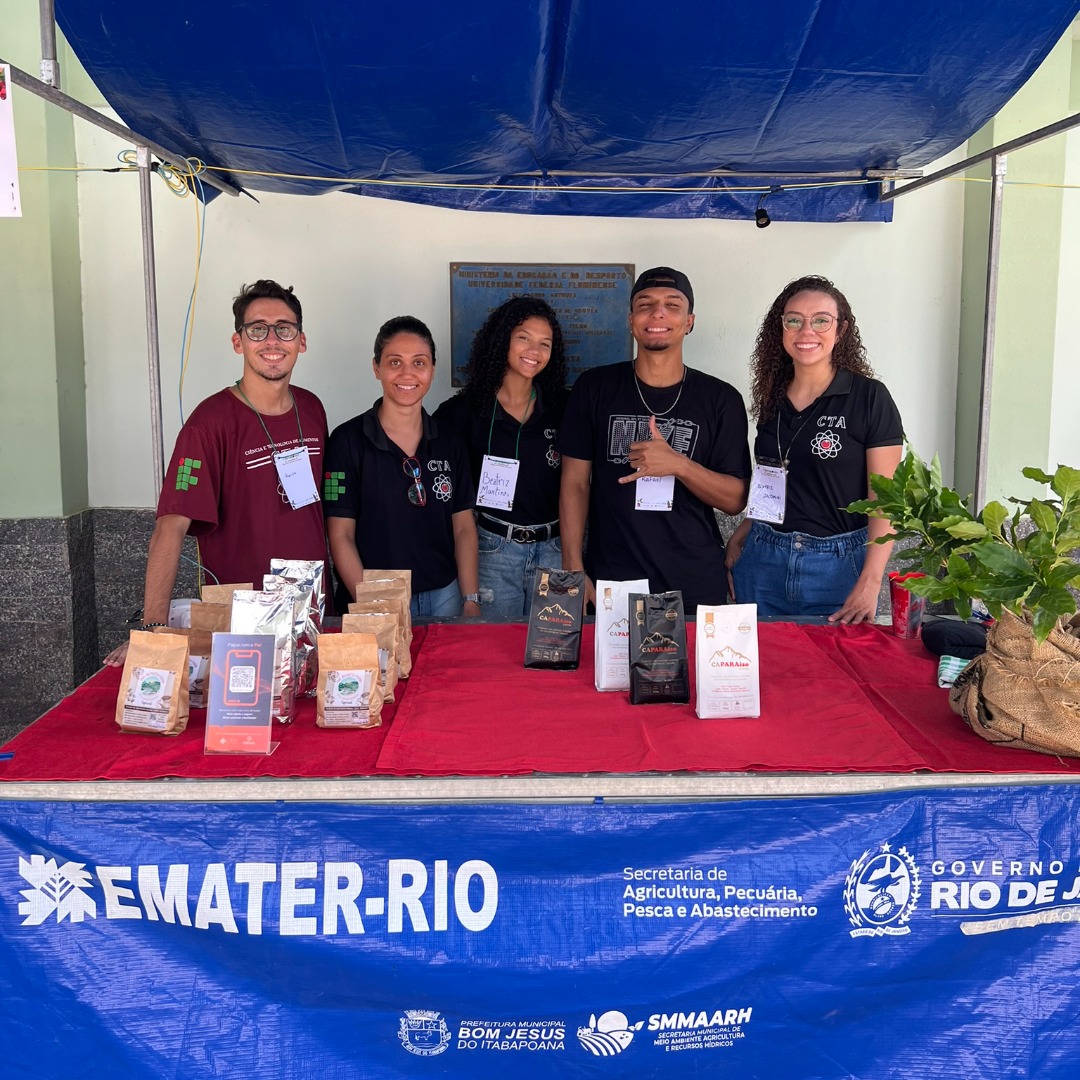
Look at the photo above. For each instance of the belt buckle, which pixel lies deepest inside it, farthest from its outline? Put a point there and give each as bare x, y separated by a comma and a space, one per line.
524, 535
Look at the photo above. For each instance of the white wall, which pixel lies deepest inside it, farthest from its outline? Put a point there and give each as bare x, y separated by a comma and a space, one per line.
355, 262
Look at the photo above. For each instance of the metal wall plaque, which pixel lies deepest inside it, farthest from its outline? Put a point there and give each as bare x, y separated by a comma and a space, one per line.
591, 300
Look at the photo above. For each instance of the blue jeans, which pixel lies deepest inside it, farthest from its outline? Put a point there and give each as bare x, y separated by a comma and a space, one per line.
795, 573
444, 601
506, 572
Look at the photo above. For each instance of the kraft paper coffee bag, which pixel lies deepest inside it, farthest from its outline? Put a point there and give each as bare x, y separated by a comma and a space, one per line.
728, 674
384, 625
154, 685
221, 594
558, 603
391, 575
659, 665
200, 643
349, 694
213, 618
611, 642
388, 596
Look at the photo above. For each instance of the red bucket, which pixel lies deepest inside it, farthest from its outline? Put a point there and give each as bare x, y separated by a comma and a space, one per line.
907, 608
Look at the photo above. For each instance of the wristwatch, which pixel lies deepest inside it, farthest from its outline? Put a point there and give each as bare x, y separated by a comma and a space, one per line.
471, 598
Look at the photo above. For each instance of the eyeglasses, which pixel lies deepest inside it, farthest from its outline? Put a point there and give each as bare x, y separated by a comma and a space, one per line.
818, 323
260, 331
417, 494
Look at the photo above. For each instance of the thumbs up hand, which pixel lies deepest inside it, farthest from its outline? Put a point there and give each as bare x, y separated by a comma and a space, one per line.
652, 457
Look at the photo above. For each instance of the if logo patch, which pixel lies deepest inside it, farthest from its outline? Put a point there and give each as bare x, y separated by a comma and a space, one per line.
333, 486
185, 473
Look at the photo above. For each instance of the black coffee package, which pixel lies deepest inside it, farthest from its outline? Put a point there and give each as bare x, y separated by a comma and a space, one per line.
659, 667
558, 603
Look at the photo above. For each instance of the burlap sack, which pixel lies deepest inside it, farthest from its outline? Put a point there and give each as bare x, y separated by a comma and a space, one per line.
1021, 693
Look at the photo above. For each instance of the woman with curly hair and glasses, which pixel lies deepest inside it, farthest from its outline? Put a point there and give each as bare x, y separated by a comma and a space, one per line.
824, 423
509, 414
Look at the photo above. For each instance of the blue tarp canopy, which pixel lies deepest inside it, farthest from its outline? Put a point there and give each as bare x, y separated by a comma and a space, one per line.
600, 107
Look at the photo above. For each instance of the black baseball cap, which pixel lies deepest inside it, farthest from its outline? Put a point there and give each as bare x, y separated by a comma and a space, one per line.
660, 277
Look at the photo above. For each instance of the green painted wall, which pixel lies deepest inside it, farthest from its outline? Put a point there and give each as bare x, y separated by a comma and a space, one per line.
43, 458
1023, 374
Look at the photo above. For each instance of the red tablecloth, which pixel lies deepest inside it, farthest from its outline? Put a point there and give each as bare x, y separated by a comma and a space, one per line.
78, 740
834, 699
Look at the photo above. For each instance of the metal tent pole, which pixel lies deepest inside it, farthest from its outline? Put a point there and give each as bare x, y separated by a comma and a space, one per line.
998, 168
64, 101
142, 157
50, 66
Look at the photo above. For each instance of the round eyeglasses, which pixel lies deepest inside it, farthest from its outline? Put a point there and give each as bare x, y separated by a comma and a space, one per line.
260, 331
818, 323
417, 494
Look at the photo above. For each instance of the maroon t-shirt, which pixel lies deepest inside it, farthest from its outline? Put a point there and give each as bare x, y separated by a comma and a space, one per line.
222, 476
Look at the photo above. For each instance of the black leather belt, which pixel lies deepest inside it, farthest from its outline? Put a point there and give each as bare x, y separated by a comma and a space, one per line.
520, 534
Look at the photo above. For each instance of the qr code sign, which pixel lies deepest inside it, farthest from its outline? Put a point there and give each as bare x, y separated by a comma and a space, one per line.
241, 679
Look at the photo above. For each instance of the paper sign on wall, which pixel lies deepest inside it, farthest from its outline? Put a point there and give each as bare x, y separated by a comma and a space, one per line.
10, 205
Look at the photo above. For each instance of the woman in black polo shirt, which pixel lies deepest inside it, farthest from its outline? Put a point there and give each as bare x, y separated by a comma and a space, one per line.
824, 423
398, 493
509, 414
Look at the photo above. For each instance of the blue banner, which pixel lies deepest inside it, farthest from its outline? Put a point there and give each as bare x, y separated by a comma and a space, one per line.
888, 935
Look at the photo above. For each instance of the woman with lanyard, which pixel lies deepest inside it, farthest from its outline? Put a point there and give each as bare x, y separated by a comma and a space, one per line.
397, 493
824, 424
509, 414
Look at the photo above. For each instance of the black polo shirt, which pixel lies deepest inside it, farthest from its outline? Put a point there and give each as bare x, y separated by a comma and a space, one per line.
365, 479
536, 498
825, 446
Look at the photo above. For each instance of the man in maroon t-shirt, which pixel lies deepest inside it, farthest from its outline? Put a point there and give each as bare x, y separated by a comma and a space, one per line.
238, 478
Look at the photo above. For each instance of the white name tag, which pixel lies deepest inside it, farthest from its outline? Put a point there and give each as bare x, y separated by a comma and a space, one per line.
768, 492
297, 480
498, 482
654, 492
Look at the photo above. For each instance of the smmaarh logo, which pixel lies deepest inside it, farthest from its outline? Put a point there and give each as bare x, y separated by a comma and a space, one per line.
56, 889
423, 1032
881, 891
608, 1036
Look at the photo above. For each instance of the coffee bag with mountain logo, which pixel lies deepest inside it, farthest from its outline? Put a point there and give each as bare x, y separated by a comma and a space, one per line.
659, 666
726, 652
611, 641
558, 604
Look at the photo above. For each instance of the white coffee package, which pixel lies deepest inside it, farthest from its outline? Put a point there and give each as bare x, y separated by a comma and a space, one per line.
611, 640
728, 672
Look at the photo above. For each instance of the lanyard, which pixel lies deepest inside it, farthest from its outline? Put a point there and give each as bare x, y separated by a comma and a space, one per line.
263, 422
524, 421
784, 460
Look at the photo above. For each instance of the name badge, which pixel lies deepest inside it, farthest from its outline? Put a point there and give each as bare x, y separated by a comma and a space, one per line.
768, 493
654, 492
297, 480
498, 482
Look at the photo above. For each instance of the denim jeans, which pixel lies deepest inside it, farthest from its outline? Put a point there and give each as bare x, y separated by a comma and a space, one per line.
795, 573
444, 601
506, 572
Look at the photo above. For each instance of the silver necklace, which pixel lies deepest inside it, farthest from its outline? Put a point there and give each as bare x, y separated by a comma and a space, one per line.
671, 408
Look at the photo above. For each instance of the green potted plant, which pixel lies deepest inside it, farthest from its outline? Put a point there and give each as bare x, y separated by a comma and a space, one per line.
1025, 690
993, 556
